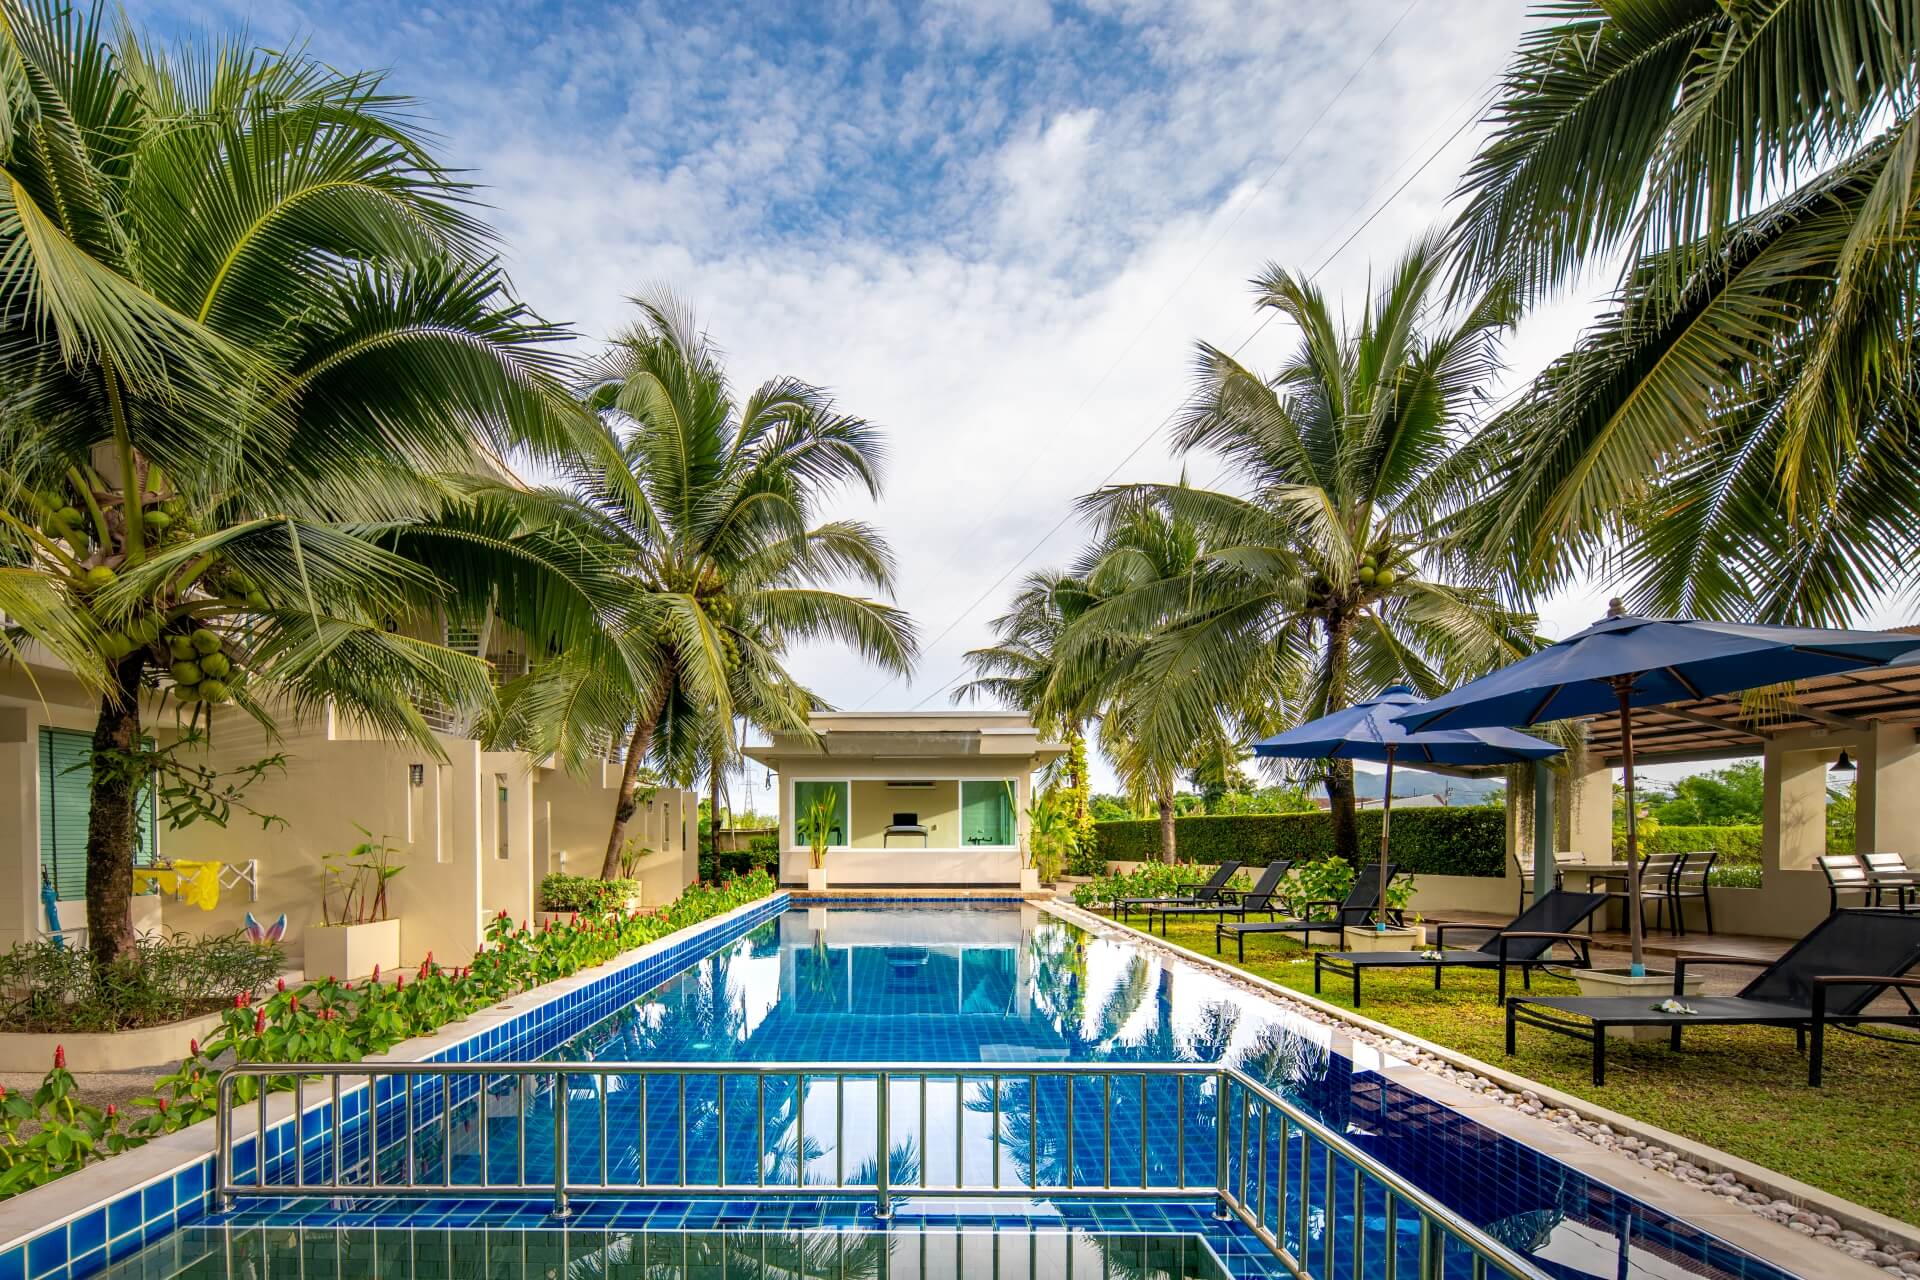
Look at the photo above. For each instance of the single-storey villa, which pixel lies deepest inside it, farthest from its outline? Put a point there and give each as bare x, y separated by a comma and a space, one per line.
917, 797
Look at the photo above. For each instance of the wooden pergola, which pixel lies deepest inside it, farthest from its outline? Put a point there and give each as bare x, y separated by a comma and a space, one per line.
1733, 725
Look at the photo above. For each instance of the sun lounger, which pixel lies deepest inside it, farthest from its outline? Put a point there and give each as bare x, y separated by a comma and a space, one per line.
1201, 893
1526, 943
1264, 896
1361, 902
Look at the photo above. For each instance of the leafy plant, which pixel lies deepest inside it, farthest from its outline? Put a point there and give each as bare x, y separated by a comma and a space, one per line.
48, 989
1325, 880
588, 894
1050, 834
359, 878
51, 1133
817, 823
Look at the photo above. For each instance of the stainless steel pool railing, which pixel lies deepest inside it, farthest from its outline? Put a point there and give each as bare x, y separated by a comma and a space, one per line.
1324, 1206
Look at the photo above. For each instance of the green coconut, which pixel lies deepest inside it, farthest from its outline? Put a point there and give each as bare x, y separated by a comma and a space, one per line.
214, 690
205, 641
180, 646
100, 576
1385, 578
215, 665
256, 601
185, 671
1367, 575
68, 515
157, 520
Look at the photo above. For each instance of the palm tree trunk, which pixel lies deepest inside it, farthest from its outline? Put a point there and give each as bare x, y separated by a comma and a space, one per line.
1346, 835
113, 823
623, 802
1166, 826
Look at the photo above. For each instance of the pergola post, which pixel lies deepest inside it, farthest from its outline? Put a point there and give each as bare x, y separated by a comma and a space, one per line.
1543, 829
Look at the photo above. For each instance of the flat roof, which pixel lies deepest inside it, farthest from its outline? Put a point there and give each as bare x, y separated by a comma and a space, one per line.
911, 735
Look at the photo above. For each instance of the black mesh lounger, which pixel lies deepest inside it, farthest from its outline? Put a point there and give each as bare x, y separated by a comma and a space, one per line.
1262, 897
1526, 943
1216, 883
1828, 977
1361, 901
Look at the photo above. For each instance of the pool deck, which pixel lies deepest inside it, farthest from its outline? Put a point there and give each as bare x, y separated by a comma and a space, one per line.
1731, 1222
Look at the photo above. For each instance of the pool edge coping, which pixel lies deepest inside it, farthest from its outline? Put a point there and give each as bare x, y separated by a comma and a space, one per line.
1767, 1239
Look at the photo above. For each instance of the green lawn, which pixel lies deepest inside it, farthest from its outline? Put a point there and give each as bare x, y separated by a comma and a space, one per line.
1742, 1090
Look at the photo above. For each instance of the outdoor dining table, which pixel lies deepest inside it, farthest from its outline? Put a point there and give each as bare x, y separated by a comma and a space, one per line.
1594, 872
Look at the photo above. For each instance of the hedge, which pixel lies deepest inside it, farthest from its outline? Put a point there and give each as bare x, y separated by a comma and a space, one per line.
1433, 842
1738, 846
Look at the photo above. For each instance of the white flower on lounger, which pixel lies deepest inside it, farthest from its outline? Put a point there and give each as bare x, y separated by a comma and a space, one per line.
1429, 955
1670, 1005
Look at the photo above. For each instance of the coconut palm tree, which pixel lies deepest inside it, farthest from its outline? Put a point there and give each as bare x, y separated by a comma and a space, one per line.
1740, 420
1018, 672
249, 328
1331, 575
709, 517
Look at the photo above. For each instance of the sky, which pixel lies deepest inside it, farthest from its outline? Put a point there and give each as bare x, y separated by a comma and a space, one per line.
994, 228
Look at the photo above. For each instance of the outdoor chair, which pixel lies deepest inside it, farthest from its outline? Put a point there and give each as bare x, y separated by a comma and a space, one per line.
1656, 875
1262, 897
1889, 871
1201, 893
1845, 873
1362, 900
1688, 883
1526, 942
1827, 978
1560, 858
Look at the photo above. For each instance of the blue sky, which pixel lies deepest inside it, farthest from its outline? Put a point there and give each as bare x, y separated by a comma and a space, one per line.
994, 228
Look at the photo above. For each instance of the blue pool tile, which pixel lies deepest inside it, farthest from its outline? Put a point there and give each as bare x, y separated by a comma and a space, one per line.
13, 1264
87, 1264
47, 1254
157, 1200
87, 1232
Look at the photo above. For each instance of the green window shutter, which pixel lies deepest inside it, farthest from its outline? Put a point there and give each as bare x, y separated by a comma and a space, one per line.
986, 812
65, 798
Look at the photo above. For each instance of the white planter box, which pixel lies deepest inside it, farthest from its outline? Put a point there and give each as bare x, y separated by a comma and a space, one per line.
32, 1052
351, 950
1029, 880
1653, 987
816, 879
1393, 938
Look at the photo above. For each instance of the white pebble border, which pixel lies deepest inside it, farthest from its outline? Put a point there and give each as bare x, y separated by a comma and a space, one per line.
1892, 1258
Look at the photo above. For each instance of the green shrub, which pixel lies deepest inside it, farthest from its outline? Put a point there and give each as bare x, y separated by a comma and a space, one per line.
587, 894
1155, 880
1321, 881
1435, 842
45, 988
1739, 846
50, 1133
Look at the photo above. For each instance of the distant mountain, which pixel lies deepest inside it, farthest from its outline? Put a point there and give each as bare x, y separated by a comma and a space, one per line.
1411, 782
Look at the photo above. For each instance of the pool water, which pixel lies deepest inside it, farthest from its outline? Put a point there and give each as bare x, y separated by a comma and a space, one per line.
1008, 1251
994, 987
955, 983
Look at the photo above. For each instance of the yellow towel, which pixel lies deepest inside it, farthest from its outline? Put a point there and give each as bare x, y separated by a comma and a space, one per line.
196, 882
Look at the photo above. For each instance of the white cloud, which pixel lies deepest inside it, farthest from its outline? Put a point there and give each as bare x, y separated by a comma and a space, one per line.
996, 231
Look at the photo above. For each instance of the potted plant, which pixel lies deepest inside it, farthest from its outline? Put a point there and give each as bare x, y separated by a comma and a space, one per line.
819, 826
1395, 934
355, 935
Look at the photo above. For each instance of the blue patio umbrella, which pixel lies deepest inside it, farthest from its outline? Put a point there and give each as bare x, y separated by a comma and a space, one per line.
1370, 731
1624, 661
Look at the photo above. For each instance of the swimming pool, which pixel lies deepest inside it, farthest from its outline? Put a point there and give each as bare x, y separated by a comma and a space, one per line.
987, 1030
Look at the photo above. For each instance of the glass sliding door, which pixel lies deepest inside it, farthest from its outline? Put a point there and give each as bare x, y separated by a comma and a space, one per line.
986, 812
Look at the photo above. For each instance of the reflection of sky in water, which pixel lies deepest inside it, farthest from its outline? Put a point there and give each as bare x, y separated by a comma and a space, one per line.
1002, 985
949, 984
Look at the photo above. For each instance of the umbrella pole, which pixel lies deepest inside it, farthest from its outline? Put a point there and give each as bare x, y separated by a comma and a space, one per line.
1623, 685
1386, 817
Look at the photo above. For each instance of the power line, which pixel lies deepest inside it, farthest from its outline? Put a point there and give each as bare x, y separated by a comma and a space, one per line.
1101, 381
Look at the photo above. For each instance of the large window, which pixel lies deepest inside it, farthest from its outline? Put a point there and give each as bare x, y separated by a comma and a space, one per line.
805, 794
65, 786
986, 812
